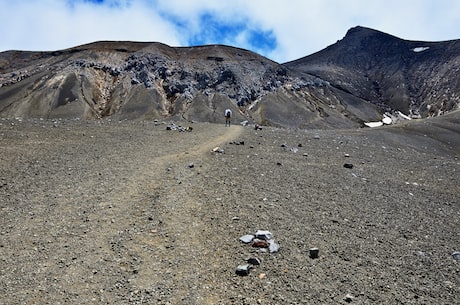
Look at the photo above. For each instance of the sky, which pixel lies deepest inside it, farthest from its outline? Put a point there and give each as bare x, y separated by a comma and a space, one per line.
282, 30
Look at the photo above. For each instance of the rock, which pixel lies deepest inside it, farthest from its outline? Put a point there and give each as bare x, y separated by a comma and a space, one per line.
263, 234
254, 261
259, 243
314, 252
191, 165
219, 150
348, 165
243, 270
348, 298
247, 238
456, 255
273, 246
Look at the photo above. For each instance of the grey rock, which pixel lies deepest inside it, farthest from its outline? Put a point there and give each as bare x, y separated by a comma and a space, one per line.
263, 234
348, 298
456, 255
247, 238
273, 246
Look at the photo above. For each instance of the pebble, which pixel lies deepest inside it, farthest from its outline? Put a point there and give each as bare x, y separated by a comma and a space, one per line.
247, 238
273, 246
456, 255
348, 298
263, 234
314, 252
348, 165
259, 243
243, 270
254, 261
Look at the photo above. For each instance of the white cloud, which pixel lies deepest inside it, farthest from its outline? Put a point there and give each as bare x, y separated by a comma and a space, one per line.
300, 27
54, 24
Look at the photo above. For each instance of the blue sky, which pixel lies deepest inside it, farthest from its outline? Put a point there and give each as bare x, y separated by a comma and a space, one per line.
279, 30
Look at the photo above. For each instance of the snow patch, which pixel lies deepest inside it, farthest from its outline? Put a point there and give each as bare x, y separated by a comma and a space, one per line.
373, 124
420, 49
387, 120
406, 117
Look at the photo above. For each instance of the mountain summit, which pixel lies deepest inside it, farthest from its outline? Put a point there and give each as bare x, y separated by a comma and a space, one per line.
415, 77
355, 80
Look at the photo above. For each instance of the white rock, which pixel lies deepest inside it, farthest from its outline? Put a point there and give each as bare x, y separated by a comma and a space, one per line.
263, 234
247, 238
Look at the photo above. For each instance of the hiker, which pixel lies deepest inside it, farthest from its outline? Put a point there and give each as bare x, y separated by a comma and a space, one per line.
228, 115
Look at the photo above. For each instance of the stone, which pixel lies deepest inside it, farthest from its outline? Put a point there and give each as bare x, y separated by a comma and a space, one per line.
348, 298
264, 234
191, 165
254, 261
243, 270
247, 238
273, 246
348, 165
259, 243
219, 150
313, 252
456, 255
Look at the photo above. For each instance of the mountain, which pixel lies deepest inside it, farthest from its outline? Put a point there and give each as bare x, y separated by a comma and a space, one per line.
353, 81
415, 77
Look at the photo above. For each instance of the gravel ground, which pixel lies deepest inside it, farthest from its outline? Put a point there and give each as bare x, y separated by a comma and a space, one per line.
131, 213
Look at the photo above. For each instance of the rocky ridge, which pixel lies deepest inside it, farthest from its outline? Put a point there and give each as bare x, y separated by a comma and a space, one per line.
418, 78
356, 80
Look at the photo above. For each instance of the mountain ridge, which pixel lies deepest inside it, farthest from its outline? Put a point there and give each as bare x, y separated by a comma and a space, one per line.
151, 80
390, 71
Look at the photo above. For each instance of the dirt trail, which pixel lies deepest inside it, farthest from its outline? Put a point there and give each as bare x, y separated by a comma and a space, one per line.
157, 251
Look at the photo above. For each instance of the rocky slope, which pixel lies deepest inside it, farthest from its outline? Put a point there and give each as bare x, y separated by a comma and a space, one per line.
351, 82
417, 78
105, 212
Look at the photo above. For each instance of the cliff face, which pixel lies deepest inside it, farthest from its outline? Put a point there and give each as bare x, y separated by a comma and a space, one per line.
353, 81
